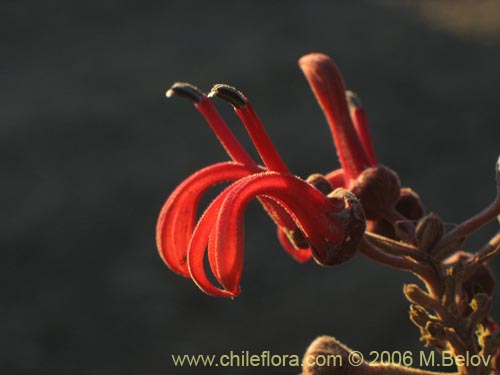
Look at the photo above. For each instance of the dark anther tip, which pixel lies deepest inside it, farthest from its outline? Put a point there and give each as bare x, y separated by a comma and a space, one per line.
186, 90
229, 94
353, 100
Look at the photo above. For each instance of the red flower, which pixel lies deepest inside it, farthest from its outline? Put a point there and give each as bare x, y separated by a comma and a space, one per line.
311, 218
349, 128
389, 209
376, 186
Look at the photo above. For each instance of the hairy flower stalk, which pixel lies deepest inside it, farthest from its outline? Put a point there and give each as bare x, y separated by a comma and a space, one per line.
359, 207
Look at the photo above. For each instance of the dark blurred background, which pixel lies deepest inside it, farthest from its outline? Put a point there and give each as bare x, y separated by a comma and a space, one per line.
91, 149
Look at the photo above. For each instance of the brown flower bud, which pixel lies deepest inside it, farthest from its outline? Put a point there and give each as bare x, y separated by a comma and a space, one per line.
429, 231
409, 204
352, 220
320, 182
378, 190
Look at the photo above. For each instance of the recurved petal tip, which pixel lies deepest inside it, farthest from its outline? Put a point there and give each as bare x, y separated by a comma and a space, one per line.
322, 71
314, 59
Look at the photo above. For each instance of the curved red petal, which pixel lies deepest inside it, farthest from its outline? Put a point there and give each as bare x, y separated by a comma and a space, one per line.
177, 217
302, 255
197, 248
311, 212
211, 256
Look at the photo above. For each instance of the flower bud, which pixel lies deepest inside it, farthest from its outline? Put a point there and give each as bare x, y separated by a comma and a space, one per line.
378, 190
429, 231
409, 204
320, 182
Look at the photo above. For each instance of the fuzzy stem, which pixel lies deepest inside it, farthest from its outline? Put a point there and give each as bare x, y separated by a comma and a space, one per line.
399, 262
394, 247
404, 228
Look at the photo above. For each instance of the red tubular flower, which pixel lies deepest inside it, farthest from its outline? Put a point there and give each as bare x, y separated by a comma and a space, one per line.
327, 85
310, 217
221, 226
178, 216
377, 187
309, 221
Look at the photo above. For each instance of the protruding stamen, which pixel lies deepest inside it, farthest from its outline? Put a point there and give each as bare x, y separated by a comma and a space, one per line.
226, 137
327, 85
186, 90
358, 116
224, 134
253, 125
